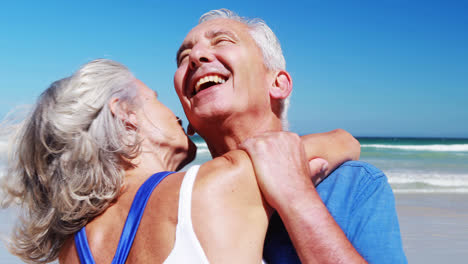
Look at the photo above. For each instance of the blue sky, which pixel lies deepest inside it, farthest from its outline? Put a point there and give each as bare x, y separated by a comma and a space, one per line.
374, 68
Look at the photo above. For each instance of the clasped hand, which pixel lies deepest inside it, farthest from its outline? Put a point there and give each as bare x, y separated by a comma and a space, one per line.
282, 169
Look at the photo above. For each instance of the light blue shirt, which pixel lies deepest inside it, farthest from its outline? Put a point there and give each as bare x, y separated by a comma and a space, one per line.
361, 201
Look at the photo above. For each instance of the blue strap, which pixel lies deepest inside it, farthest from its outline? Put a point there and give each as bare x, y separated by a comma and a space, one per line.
82, 247
134, 216
131, 224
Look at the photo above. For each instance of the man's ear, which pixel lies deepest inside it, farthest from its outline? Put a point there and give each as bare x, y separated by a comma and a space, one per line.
122, 111
282, 86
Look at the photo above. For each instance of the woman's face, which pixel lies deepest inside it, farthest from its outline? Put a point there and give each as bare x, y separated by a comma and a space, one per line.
163, 129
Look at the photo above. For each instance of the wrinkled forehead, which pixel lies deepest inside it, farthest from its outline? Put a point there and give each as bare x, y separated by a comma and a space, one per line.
215, 26
218, 24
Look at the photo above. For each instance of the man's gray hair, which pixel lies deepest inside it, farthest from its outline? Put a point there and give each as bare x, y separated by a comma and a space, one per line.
66, 161
266, 40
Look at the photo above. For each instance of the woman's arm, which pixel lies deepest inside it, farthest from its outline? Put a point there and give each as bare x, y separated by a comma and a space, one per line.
336, 147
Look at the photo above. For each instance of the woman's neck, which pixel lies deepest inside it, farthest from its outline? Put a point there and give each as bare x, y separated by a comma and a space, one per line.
146, 164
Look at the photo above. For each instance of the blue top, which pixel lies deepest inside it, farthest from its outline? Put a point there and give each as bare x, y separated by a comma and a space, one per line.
361, 201
131, 224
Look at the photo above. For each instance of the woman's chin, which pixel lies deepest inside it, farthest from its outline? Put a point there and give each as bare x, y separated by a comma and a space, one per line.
190, 154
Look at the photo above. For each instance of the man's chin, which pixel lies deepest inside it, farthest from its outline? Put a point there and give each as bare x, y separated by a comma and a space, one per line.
209, 114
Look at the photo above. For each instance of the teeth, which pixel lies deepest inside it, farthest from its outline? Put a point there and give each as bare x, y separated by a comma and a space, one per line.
209, 78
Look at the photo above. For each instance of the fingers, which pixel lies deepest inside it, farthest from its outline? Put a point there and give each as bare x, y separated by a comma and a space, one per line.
274, 145
278, 159
317, 167
254, 144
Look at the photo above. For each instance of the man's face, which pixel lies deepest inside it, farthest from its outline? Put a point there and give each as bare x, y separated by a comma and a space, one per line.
221, 73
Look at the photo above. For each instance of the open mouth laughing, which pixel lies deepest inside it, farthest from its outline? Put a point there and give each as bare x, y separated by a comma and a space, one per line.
208, 81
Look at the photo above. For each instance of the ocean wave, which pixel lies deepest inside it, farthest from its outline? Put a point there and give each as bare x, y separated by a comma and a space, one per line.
200, 143
203, 151
434, 190
202, 147
435, 147
436, 182
427, 182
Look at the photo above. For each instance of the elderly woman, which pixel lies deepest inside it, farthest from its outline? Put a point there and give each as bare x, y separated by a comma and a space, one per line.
86, 163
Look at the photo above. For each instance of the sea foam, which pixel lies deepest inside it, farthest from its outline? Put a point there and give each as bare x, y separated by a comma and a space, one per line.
431, 190
426, 182
434, 147
202, 147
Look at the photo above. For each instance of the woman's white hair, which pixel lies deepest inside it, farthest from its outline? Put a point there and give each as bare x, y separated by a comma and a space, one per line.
268, 43
66, 162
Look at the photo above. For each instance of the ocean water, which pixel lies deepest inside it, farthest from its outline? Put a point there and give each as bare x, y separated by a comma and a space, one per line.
412, 165
420, 165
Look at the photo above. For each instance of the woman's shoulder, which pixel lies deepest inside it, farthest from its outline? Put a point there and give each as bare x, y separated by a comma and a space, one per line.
231, 172
230, 181
228, 209
232, 162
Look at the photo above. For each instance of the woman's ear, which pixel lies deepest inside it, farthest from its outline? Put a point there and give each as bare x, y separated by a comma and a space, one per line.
282, 86
123, 111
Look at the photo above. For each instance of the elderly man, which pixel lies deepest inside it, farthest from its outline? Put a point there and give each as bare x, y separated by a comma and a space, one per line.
232, 83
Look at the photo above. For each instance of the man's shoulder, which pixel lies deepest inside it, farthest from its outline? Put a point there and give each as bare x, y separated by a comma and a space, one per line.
361, 200
350, 180
359, 168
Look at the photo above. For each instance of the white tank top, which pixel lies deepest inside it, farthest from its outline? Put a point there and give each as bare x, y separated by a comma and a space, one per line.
187, 248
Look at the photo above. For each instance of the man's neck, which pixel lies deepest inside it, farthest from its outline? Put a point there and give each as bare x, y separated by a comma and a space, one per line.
225, 138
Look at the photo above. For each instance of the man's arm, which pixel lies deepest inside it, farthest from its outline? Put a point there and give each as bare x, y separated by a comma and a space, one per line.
283, 175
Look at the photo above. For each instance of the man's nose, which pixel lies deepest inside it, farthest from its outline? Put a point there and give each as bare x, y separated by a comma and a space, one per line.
200, 54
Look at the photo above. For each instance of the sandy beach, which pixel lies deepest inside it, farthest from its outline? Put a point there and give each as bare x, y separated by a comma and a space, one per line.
434, 227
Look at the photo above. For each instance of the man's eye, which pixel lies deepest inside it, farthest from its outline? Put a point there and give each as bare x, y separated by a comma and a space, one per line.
182, 58
222, 40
